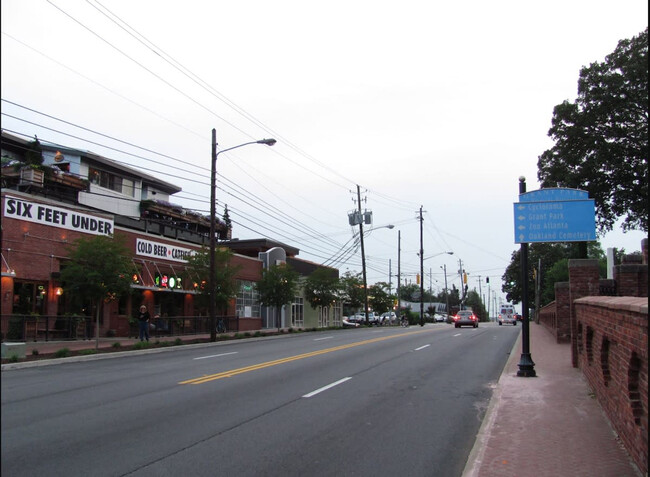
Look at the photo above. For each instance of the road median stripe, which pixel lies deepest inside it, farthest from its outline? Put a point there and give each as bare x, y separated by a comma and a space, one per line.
289, 359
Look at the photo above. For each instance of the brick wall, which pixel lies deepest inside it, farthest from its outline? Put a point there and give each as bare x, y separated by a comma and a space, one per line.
556, 316
583, 281
612, 352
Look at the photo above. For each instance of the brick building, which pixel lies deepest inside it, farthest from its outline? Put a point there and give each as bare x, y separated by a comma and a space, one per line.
79, 194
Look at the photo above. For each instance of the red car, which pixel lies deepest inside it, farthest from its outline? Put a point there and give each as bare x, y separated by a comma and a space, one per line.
465, 318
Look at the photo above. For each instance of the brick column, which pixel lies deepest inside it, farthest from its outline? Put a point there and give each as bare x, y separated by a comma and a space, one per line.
562, 313
632, 276
583, 281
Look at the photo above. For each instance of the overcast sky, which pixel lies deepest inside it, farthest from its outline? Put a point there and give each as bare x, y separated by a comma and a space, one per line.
439, 105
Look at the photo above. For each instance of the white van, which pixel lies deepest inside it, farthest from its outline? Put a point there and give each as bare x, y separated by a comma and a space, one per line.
507, 315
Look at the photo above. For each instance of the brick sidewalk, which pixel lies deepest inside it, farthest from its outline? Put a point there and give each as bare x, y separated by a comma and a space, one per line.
548, 426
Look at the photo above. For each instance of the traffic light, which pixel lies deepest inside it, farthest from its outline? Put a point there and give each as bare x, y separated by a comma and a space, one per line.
487, 279
464, 277
418, 278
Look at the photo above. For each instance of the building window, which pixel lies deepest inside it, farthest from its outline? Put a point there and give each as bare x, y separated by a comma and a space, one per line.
298, 312
248, 300
106, 180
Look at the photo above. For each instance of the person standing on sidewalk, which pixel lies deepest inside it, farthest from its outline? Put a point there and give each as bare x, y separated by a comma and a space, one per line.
143, 322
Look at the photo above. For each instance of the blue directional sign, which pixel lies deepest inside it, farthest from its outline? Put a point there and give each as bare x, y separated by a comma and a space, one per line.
553, 194
555, 215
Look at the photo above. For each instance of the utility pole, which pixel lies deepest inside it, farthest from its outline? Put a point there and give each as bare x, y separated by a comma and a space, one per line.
489, 299
390, 277
421, 272
446, 292
480, 293
462, 287
399, 277
363, 258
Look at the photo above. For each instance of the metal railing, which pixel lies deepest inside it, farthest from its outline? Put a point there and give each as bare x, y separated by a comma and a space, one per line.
74, 327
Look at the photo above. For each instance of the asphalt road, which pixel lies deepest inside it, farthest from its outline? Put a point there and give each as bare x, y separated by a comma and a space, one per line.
379, 401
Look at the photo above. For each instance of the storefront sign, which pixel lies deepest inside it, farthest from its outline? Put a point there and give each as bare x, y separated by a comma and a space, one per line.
165, 251
56, 217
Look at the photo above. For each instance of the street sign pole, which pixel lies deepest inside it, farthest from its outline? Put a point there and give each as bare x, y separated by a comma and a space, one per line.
526, 364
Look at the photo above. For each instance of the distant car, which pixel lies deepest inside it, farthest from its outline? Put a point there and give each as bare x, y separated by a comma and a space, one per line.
507, 315
388, 318
518, 317
465, 318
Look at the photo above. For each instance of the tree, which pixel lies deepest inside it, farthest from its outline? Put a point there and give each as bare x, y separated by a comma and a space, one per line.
475, 302
410, 292
98, 270
225, 284
601, 140
34, 153
277, 287
321, 288
549, 254
352, 288
380, 300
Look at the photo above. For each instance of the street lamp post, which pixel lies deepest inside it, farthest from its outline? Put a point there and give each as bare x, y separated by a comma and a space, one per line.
526, 364
213, 226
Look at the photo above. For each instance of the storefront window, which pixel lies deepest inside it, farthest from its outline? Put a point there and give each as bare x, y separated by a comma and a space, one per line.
248, 304
29, 297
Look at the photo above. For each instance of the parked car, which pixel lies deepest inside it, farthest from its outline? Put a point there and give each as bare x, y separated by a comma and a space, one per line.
349, 324
373, 318
357, 318
465, 318
518, 317
439, 317
388, 318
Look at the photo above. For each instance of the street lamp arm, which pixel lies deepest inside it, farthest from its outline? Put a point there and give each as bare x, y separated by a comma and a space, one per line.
267, 142
436, 254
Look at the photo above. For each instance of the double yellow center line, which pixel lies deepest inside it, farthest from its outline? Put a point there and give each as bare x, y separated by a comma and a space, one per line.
268, 364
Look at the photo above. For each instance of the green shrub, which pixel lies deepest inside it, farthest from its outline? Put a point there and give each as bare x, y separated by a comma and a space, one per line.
247, 334
13, 358
178, 341
141, 345
258, 334
84, 352
117, 344
62, 353
34, 352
